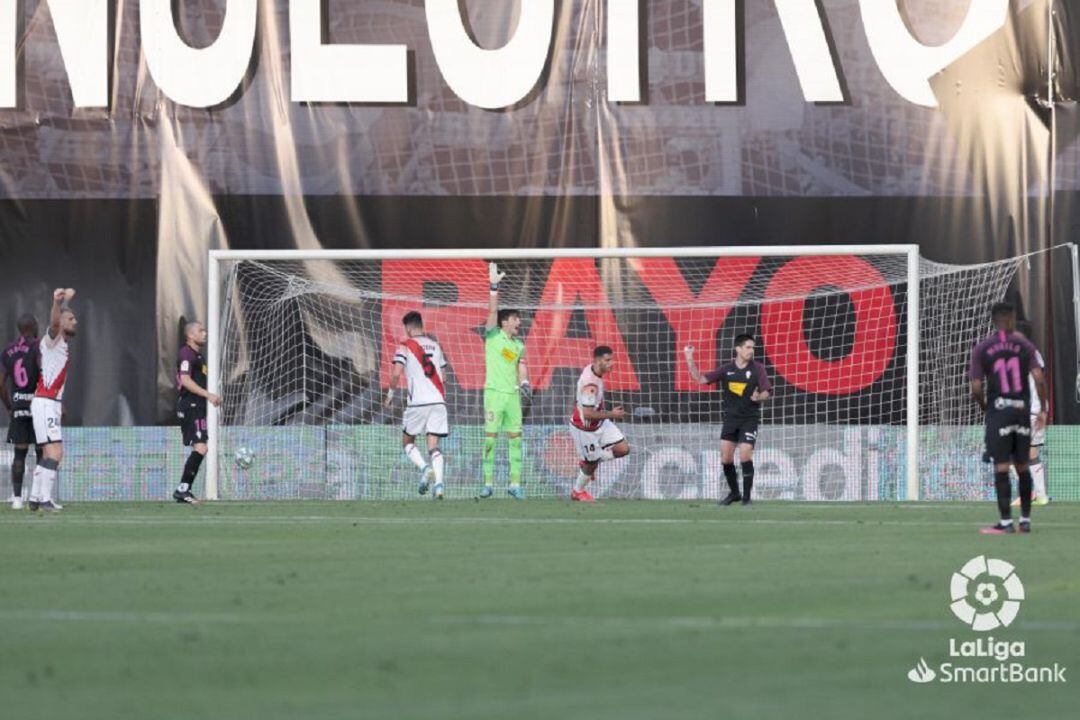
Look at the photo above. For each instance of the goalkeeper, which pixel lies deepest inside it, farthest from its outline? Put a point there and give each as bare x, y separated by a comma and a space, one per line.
506, 383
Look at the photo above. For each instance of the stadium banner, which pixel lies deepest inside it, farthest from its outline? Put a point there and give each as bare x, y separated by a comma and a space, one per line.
136, 135
674, 462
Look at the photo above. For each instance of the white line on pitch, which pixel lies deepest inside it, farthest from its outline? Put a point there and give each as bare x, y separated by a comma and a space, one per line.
718, 623
326, 519
122, 616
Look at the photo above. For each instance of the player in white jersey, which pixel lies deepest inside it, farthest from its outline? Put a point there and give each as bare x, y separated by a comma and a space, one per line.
421, 360
595, 434
1039, 417
46, 409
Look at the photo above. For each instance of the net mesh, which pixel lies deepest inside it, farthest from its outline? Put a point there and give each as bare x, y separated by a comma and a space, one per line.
306, 350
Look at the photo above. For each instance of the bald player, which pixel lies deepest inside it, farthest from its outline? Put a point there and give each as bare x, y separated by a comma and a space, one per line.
191, 399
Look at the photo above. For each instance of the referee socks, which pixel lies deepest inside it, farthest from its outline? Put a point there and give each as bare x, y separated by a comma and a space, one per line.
747, 479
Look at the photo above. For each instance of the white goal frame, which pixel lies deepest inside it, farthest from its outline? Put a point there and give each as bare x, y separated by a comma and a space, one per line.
217, 257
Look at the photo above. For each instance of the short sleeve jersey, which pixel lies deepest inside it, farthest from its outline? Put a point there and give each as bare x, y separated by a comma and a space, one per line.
589, 395
190, 362
54, 367
738, 385
424, 364
20, 362
502, 355
1004, 360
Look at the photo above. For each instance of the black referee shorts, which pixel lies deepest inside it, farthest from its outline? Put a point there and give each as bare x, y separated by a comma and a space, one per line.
742, 431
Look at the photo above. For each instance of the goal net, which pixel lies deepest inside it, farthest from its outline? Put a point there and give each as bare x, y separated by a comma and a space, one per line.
302, 344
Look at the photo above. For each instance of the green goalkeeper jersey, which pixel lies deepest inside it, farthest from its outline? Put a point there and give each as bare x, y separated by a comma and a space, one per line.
502, 356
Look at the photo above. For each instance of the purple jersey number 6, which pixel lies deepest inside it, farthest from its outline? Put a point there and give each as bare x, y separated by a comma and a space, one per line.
21, 379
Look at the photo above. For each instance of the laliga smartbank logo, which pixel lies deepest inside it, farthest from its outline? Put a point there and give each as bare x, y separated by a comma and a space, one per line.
986, 594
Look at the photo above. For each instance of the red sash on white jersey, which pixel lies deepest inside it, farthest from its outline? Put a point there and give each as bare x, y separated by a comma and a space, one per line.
52, 390
428, 367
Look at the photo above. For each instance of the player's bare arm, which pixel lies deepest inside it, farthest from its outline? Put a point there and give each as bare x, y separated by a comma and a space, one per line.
1040, 386
760, 395
395, 379
193, 387
494, 278
700, 379
979, 393
592, 414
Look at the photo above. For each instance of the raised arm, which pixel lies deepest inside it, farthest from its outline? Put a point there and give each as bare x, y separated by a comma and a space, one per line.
494, 278
700, 379
59, 298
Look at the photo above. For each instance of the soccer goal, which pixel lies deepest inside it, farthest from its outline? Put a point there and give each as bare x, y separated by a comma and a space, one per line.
866, 348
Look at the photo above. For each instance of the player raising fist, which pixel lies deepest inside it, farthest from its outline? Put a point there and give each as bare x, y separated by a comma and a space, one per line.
46, 408
746, 385
596, 436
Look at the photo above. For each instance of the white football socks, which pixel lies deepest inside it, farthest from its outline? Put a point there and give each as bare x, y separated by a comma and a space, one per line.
43, 485
1038, 480
438, 463
414, 454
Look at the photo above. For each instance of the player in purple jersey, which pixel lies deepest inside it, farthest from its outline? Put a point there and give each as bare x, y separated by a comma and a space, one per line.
191, 399
745, 386
19, 365
998, 372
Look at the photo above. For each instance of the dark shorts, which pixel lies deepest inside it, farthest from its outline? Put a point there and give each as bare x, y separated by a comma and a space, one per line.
193, 424
742, 431
1008, 435
21, 430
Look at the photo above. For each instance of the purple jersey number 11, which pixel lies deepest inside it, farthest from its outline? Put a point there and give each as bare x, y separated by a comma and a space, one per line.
1006, 368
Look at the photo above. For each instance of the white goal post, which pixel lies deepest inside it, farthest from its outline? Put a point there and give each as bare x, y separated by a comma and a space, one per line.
225, 307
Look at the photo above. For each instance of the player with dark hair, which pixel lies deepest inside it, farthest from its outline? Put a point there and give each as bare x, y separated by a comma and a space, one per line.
745, 386
421, 360
46, 409
19, 363
998, 373
191, 399
506, 383
595, 434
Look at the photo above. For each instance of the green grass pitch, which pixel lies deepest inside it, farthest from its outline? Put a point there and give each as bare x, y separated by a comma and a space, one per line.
517, 610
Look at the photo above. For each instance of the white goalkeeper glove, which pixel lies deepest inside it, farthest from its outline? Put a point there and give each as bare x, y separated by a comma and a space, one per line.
494, 276
525, 389
389, 397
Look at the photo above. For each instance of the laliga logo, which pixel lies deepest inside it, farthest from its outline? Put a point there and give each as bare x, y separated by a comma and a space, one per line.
986, 594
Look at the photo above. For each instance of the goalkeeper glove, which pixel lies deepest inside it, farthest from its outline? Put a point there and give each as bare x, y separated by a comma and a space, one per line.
525, 389
494, 276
